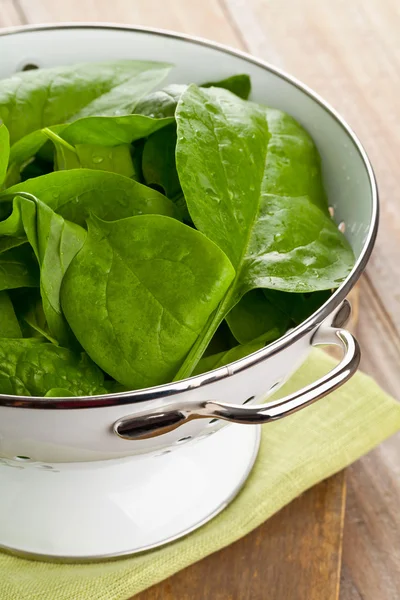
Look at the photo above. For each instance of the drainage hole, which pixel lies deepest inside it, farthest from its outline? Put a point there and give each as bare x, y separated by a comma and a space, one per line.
29, 67
184, 439
249, 400
22, 458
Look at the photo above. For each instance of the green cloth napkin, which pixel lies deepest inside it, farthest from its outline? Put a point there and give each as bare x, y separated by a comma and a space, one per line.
295, 454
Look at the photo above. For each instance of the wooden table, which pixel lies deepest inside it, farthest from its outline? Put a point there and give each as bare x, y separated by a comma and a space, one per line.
349, 52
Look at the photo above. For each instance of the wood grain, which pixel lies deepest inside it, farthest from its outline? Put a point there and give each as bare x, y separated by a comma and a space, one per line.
294, 556
10, 15
205, 19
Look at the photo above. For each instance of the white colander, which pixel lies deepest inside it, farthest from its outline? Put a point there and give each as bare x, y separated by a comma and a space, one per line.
93, 477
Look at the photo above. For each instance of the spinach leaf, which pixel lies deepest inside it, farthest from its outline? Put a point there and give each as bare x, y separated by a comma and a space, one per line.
158, 161
34, 168
281, 242
58, 241
101, 131
139, 293
27, 147
28, 307
78, 193
35, 99
297, 306
58, 393
240, 85
31, 367
9, 326
6, 243
18, 268
293, 166
112, 131
162, 103
11, 351
159, 167
209, 363
4, 152
115, 159
254, 317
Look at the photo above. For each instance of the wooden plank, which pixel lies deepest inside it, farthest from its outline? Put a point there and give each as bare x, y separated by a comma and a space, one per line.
9, 14
349, 53
295, 555
205, 19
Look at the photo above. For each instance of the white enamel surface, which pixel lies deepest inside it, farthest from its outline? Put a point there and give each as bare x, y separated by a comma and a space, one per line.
118, 507
89, 507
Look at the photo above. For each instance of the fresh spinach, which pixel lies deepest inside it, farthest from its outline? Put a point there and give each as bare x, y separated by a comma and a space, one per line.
95, 260
297, 307
78, 193
18, 268
240, 85
159, 167
4, 152
28, 307
139, 293
254, 317
223, 163
112, 131
162, 103
35, 99
9, 326
215, 361
56, 241
115, 159
32, 367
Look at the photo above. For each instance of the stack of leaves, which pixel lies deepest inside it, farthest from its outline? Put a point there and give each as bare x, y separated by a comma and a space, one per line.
148, 236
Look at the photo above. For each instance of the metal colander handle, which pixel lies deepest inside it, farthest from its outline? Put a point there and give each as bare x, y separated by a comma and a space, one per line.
154, 423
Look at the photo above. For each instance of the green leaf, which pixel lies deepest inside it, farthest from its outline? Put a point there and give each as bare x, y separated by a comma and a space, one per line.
139, 293
162, 103
240, 85
221, 359
297, 306
28, 307
9, 326
55, 241
254, 317
112, 131
115, 159
158, 161
11, 352
34, 99
159, 167
4, 151
6, 243
58, 393
78, 193
293, 166
18, 268
227, 165
27, 147
58, 241
29, 366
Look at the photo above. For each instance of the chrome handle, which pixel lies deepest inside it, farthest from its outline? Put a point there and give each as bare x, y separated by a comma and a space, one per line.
154, 423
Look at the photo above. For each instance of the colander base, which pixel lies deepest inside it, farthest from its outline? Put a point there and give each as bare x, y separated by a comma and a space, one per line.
94, 511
